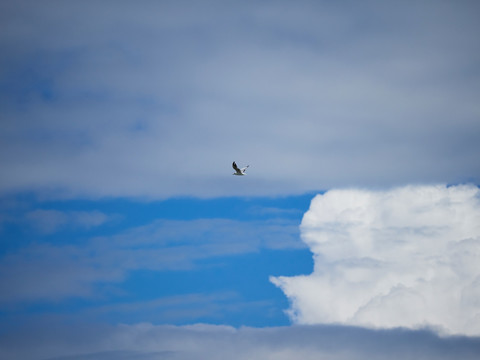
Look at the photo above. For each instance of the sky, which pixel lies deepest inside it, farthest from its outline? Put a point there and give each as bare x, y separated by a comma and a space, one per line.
354, 235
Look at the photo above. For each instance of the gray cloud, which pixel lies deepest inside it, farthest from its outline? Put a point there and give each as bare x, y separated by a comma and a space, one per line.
146, 341
157, 100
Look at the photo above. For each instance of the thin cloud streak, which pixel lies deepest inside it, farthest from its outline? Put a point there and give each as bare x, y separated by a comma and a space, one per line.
180, 309
51, 221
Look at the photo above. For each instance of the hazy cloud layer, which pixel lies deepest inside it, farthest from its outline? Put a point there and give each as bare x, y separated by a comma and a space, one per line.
406, 257
146, 341
157, 99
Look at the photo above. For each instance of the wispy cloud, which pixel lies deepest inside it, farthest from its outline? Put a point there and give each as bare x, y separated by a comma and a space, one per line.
56, 271
50, 221
49, 272
405, 257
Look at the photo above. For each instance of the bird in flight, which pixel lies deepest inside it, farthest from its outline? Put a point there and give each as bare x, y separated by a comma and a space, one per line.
239, 171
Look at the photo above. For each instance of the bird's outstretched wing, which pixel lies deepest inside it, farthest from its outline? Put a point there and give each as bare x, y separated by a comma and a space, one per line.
235, 167
244, 169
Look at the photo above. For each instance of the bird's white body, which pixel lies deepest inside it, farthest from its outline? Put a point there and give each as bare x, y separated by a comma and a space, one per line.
239, 171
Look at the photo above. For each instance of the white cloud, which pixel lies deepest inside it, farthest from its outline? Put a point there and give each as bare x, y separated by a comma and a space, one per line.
53, 340
407, 257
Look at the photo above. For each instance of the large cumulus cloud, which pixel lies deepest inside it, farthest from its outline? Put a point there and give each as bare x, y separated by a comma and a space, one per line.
405, 257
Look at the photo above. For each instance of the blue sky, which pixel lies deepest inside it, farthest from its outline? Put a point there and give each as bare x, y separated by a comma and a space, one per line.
123, 233
210, 259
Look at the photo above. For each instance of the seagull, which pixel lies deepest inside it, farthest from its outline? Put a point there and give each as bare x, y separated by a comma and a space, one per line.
239, 171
